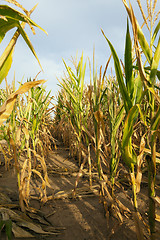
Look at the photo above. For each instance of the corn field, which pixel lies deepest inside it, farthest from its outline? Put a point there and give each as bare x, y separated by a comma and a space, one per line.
110, 123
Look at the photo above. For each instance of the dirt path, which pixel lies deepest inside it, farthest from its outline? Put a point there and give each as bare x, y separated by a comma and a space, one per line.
81, 218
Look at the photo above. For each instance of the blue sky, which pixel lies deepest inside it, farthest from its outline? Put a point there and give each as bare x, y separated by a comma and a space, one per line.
73, 26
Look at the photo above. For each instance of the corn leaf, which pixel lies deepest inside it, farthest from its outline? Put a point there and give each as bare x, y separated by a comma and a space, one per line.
8, 50
119, 75
158, 74
20, 232
68, 90
141, 38
155, 64
13, 14
128, 153
155, 33
4, 69
8, 228
128, 127
128, 63
7, 107
28, 42
82, 81
71, 75
118, 120
138, 89
5, 26
156, 121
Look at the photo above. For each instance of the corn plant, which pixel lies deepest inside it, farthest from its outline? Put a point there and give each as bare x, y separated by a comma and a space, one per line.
129, 95
74, 87
149, 81
132, 95
30, 135
7, 224
115, 116
117, 110
11, 18
97, 103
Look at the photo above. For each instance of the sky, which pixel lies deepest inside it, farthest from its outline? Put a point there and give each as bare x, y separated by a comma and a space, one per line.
73, 26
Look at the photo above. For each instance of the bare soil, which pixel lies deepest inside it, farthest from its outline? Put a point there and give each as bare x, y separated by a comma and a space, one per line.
80, 218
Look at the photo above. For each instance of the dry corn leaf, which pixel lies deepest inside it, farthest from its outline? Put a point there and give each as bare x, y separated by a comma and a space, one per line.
19, 232
139, 163
156, 199
139, 230
4, 198
24, 170
7, 107
20, 221
18, 136
26, 132
37, 217
12, 215
34, 227
43, 164
122, 207
98, 116
157, 218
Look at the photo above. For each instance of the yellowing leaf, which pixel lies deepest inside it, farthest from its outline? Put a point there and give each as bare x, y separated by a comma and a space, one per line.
98, 116
18, 135
8, 105
6, 66
26, 132
157, 218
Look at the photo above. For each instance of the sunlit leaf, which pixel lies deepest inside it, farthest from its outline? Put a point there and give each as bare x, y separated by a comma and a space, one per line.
4, 69
119, 75
28, 42
5, 26
141, 38
7, 107
13, 14
128, 62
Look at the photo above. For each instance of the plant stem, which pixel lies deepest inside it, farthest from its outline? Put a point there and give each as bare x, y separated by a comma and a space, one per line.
151, 194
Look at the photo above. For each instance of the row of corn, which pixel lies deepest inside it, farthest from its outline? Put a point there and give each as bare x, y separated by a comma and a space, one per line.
110, 122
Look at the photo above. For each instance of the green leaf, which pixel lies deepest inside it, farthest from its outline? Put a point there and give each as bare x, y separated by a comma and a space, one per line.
129, 156
28, 42
155, 64
118, 120
68, 90
2, 224
119, 75
138, 89
128, 62
144, 44
5, 26
155, 122
158, 74
4, 69
11, 13
128, 126
71, 75
141, 38
155, 33
8, 227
